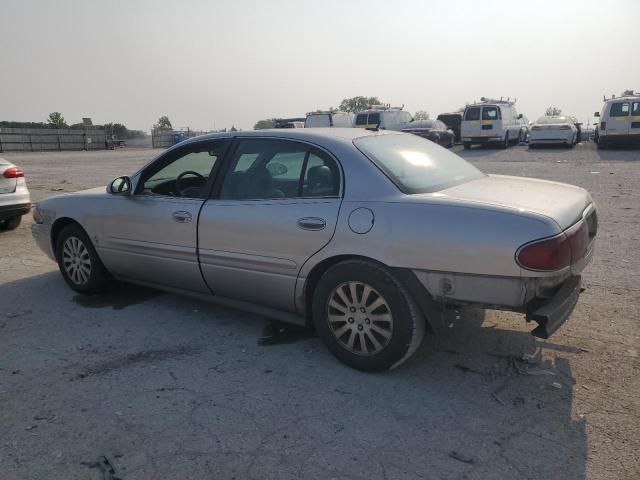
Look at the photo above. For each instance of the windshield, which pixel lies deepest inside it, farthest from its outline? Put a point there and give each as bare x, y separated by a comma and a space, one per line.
415, 164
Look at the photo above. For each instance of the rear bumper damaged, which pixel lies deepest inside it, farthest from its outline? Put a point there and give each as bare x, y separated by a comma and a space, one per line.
552, 313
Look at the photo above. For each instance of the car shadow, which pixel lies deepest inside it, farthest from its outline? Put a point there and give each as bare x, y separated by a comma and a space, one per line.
483, 400
620, 153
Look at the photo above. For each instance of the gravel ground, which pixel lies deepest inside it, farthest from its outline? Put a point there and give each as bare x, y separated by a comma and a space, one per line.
167, 387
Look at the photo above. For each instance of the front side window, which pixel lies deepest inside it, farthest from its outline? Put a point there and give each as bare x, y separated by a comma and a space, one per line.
620, 109
472, 113
415, 164
275, 169
185, 172
489, 113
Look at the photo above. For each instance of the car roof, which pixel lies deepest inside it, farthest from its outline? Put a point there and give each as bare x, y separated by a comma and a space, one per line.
313, 135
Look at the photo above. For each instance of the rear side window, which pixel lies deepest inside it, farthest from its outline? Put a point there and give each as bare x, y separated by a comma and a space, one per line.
472, 113
263, 169
489, 113
619, 109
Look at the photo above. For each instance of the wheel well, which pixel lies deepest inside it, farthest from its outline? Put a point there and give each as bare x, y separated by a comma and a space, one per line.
57, 227
316, 273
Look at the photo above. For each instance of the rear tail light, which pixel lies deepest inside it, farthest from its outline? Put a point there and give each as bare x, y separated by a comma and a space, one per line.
603, 125
13, 172
555, 253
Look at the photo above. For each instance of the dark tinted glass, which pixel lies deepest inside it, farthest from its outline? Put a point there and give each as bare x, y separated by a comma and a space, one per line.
361, 119
472, 113
374, 119
619, 109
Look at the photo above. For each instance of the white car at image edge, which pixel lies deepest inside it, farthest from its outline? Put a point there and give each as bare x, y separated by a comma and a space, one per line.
14, 195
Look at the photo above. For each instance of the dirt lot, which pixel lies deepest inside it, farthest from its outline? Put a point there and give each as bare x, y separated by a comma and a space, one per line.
167, 387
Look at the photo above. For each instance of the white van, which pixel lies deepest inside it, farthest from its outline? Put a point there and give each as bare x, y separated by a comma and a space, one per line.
329, 119
492, 121
619, 120
384, 118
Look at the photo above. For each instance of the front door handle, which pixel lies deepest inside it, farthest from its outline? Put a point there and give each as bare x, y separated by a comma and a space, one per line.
182, 216
312, 223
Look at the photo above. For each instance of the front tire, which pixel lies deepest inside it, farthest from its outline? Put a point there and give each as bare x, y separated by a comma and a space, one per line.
10, 223
365, 317
79, 263
466, 146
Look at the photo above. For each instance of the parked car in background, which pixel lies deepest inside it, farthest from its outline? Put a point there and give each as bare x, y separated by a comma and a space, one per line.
453, 121
433, 130
329, 119
364, 235
554, 130
492, 122
289, 123
619, 120
383, 117
14, 195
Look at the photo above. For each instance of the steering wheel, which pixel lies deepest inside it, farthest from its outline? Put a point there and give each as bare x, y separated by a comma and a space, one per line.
184, 174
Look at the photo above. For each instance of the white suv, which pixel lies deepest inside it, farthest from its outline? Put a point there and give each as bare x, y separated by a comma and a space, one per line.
619, 120
492, 121
14, 196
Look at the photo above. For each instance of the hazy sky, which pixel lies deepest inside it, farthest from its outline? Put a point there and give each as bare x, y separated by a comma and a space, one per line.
210, 64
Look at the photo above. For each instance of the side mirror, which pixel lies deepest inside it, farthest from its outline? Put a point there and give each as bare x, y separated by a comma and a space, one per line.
120, 186
596, 114
519, 116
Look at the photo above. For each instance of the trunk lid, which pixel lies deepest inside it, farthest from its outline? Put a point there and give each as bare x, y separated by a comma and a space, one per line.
562, 202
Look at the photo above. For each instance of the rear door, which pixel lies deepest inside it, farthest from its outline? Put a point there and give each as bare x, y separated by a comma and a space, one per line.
491, 122
471, 126
618, 121
634, 120
277, 206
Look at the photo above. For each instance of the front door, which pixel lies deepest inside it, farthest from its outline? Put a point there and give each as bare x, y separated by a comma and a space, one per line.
277, 206
151, 236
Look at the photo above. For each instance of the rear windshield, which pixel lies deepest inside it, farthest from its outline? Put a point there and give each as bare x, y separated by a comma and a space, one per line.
490, 113
545, 120
472, 113
361, 119
315, 121
415, 164
619, 109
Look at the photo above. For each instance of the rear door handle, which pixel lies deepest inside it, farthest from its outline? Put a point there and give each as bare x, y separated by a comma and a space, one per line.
312, 223
182, 216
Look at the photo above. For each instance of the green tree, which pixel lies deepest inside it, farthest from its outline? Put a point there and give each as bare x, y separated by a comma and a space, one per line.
56, 120
263, 124
355, 104
553, 112
163, 122
421, 115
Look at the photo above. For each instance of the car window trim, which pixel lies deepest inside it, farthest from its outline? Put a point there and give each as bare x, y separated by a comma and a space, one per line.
233, 148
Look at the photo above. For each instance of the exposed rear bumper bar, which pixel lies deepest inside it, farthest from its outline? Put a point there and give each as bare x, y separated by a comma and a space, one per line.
8, 211
554, 312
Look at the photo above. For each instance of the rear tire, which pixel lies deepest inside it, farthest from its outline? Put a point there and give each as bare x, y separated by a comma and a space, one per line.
365, 317
451, 141
466, 146
10, 223
506, 143
79, 263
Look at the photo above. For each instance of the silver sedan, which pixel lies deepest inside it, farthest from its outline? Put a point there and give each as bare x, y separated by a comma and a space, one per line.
364, 235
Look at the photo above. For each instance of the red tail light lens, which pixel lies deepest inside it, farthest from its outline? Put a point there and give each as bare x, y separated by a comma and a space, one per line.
548, 255
555, 253
603, 125
13, 172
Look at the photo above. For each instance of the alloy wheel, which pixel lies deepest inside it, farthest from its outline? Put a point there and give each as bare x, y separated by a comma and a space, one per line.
76, 260
360, 318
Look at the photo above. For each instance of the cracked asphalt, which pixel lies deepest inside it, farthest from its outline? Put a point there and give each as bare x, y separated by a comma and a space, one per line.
163, 386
